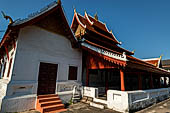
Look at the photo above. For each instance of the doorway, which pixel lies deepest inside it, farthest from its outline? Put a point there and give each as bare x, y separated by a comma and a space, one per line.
47, 78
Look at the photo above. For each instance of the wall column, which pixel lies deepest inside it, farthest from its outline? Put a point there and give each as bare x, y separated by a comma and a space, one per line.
169, 82
165, 85
160, 82
106, 81
87, 76
140, 81
151, 81
122, 80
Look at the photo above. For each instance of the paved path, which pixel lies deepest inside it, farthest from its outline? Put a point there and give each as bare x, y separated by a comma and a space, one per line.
162, 107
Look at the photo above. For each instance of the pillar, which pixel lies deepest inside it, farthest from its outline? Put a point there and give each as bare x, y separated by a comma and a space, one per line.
160, 84
140, 81
87, 76
165, 85
169, 82
106, 81
122, 80
151, 81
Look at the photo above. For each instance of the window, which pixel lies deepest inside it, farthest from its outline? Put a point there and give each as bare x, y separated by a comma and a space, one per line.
72, 73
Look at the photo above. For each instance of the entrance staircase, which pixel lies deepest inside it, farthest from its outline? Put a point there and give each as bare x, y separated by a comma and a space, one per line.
50, 103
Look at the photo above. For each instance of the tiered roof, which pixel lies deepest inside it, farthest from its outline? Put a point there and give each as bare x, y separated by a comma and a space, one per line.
89, 27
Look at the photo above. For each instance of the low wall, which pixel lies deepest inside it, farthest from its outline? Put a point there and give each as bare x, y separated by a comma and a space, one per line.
117, 100
142, 99
125, 101
90, 92
18, 104
3, 88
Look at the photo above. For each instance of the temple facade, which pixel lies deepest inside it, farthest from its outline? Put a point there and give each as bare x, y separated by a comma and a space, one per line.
43, 59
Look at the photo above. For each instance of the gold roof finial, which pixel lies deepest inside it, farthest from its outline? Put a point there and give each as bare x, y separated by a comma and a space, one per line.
74, 9
133, 51
7, 17
161, 56
59, 2
110, 31
95, 16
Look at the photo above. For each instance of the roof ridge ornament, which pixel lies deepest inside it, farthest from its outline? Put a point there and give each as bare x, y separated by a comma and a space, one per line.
133, 51
7, 17
59, 2
161, 56
74, 10
96, 17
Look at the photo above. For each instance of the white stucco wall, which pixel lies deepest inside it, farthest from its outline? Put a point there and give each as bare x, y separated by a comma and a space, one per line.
37, 45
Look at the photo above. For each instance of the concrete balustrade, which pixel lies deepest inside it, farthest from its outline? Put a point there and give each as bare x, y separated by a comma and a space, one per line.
125, 101
90, 92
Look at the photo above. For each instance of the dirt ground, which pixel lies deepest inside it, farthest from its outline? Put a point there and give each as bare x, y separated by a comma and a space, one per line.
85, 108
162, 107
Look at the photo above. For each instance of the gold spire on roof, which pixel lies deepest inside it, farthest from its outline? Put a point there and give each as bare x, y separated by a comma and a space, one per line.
133, 51
96, 17
161, 56
59, 2
74, 10
7, 17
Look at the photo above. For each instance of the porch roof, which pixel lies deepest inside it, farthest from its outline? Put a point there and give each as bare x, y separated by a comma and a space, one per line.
121, 59
111, 56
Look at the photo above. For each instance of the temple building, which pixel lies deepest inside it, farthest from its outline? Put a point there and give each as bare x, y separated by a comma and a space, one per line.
46, 63
107, 67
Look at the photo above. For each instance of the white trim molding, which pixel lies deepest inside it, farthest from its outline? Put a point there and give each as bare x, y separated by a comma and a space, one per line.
105, 52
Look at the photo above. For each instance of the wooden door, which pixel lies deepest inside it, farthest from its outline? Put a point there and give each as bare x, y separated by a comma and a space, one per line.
47, 78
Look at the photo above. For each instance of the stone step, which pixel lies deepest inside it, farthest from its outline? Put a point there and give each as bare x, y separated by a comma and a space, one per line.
48, 103
58, 111
76, 98
49, 95
52, 108
98, 105
48, 99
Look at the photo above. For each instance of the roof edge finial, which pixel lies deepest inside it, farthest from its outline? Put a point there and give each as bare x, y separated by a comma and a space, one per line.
59, 2
96, 17
74, 9
85, 11
7, 17
133, 51
161, 56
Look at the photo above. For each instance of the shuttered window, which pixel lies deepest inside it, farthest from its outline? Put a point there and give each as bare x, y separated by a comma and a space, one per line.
72, 73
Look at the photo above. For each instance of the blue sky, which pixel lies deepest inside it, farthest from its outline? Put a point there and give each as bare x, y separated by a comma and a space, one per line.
141, 25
